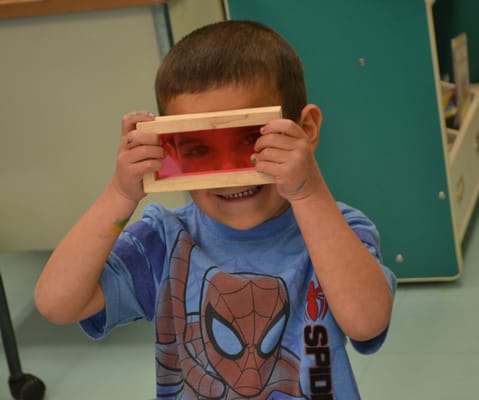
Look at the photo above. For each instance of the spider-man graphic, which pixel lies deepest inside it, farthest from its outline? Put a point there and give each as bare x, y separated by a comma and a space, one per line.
316, 295
230, 347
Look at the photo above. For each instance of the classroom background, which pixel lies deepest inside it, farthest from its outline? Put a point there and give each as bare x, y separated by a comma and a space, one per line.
66, 80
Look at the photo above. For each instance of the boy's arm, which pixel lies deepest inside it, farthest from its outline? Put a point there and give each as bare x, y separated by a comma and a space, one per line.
352, 280
68, 289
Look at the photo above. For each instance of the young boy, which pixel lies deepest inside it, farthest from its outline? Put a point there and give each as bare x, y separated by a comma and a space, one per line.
252, 290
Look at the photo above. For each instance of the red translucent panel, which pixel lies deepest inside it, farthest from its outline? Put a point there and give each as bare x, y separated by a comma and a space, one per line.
217, 150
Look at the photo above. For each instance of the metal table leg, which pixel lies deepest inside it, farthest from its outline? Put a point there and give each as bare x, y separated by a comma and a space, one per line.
22, 386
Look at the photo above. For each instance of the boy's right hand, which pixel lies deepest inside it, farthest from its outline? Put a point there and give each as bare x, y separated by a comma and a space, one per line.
139, 153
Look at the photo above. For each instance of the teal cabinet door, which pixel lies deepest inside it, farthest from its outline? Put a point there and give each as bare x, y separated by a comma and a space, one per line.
369, 66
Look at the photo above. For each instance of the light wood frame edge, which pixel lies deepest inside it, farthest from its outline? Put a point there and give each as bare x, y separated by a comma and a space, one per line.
207, 121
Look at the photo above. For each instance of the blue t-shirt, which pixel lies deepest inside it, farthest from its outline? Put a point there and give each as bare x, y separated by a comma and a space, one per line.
238, 313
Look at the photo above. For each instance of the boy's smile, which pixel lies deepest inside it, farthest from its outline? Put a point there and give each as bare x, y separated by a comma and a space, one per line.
243, 194
238, 207
241, 207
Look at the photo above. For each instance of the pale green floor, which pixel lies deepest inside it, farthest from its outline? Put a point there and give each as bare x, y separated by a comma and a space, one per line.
432, 351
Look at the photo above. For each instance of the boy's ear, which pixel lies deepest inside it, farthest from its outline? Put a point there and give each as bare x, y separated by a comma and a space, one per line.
311, 119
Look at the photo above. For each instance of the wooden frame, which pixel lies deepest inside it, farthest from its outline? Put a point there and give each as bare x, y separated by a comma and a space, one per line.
208, 121
28, 8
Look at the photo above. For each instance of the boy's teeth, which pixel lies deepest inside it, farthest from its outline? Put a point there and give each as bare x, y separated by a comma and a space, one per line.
245, 193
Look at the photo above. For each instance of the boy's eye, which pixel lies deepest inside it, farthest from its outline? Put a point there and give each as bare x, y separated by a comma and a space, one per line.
195, 151
251, 138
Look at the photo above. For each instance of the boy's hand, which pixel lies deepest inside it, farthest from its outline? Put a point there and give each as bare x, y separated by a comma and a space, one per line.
286, 152
139, 153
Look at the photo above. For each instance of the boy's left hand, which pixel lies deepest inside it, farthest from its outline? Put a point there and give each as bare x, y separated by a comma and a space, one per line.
286, 152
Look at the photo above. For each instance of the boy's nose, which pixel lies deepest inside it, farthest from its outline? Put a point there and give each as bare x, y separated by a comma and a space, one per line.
232, 161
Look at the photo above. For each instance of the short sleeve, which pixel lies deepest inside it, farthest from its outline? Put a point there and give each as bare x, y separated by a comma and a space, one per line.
129, 280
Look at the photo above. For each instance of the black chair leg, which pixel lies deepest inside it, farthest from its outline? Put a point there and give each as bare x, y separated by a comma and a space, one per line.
22, 386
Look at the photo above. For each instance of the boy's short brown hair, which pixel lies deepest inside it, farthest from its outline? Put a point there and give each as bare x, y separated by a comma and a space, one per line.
232, 52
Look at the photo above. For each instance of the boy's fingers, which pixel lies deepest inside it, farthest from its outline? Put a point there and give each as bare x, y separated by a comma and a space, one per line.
275, 140
145, 152
130, 120
282, 126
136, 138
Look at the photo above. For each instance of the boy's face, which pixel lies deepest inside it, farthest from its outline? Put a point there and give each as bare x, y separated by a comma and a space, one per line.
213, 150
240, 207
